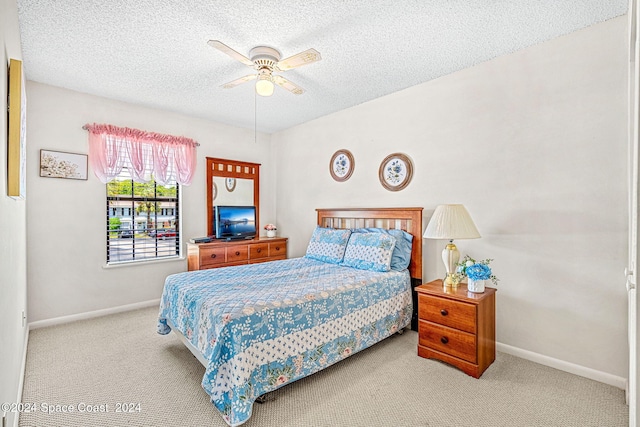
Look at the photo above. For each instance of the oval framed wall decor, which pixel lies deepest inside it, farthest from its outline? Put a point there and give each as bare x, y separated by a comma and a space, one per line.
395, 172
215, 191
230, 184
341, 165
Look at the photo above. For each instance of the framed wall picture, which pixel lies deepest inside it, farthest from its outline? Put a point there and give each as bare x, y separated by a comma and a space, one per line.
395, 172
16, 145
341, 165
58, 164
230, 184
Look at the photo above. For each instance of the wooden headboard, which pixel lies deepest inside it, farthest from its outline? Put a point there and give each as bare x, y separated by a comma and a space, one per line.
407, 219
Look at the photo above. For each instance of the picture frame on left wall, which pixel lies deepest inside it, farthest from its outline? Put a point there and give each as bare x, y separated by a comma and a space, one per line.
17, 132
58, 164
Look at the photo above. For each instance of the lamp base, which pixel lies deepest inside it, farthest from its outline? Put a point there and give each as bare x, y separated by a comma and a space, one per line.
450, 257
450, 281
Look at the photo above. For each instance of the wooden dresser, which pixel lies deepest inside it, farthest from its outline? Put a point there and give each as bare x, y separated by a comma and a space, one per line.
457, 326
235, 252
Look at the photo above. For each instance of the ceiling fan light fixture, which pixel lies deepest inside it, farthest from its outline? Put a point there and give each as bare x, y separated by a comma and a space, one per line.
266, 60
264, 85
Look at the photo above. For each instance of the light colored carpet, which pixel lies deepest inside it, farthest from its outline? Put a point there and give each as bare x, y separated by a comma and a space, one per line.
121, 359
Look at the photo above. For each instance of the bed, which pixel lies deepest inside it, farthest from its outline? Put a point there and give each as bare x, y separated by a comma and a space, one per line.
259, 327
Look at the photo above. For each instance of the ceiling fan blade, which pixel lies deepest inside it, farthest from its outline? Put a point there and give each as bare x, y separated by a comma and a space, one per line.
291, 87
298, 60
232, 53
239, 81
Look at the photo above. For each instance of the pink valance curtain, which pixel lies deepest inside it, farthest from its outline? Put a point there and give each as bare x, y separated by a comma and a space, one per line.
147, 155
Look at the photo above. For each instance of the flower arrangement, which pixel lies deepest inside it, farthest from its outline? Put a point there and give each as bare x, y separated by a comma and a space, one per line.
270, 227
479, 272
475, 270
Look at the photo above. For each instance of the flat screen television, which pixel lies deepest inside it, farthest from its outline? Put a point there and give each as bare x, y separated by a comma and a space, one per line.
234, 222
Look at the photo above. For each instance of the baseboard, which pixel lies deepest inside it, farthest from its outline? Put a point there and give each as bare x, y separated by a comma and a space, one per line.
572, 368
92, 314
23, 369
551, 362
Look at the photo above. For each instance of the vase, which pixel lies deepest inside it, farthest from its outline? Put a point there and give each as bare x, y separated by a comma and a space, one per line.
476, 286
271, 233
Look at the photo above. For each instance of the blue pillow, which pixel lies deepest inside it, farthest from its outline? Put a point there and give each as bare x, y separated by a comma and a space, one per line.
369, 251
328, 244
402, 252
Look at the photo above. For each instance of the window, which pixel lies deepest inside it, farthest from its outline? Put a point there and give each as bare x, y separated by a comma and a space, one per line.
142, 220
143, 172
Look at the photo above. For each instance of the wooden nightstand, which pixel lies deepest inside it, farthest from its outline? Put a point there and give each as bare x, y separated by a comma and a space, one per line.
457, 326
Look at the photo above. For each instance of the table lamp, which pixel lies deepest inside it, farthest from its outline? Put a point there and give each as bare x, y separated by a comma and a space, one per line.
451, 222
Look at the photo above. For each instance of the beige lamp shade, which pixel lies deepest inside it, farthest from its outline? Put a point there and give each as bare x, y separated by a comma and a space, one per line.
451, 222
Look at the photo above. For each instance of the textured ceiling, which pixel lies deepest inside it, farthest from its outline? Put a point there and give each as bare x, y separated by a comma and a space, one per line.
155, 53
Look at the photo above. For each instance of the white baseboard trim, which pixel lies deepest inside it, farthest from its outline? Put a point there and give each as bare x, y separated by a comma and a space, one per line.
92, 314
572, 368
23, 368
551, 362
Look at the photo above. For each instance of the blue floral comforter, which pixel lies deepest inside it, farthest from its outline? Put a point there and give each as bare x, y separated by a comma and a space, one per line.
262, 326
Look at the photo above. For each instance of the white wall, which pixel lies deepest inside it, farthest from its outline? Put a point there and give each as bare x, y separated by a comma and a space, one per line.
13, 234
66, 218
534, 144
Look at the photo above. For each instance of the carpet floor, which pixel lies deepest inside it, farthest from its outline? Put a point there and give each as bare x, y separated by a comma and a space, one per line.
120, 362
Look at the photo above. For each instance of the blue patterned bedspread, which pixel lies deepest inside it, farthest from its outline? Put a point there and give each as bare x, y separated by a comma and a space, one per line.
262, 326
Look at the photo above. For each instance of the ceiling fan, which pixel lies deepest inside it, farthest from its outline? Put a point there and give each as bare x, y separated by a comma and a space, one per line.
266, 60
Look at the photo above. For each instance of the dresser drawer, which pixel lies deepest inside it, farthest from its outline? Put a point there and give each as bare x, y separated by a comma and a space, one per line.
455, 314
278, 249
237, 253
259, 251
212, 256
447, 340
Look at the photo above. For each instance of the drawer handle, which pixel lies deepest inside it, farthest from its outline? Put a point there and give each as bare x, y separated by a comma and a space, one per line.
444, 312
444, 340
259, 250
213, 255
237, 252
277, 248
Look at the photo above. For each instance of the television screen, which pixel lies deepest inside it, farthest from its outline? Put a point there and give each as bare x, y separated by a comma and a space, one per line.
235, 222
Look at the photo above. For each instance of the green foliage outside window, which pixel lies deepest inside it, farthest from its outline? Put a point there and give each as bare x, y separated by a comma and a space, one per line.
139, 189
114, 223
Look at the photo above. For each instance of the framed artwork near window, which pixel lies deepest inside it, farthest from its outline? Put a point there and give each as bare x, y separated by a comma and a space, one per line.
58, 164
16, 147
395, 172
341, 165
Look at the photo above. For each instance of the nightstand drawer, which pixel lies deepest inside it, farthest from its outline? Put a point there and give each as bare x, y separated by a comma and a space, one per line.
454, 314
447, 340
237, 253
212, 256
